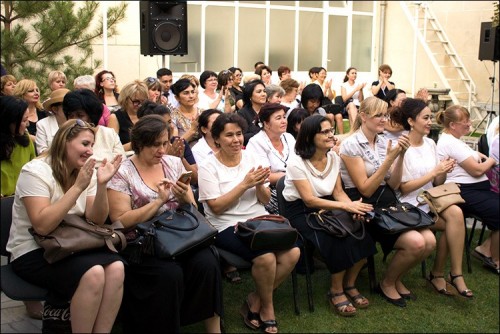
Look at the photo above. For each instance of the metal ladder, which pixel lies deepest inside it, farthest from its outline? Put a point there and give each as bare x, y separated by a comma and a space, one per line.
445, 60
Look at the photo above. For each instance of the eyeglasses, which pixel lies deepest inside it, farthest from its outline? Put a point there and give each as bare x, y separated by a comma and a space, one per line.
108, 79
326, 132
136, 103
82, 124
151, 80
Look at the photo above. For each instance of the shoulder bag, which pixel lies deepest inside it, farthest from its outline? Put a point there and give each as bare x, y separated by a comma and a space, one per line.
441, 197
75, 234
336, 222
172, 234
399, 217
267, 232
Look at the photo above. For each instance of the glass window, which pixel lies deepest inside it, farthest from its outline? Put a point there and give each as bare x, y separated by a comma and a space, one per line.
361, 42
281, 39
252, 32
362, 6
311, 4
190, 62
337, 4
282, 3
337, 41
255, 2
219, 38
310, 35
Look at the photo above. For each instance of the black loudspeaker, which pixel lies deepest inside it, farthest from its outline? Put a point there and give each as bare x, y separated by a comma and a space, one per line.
163, 28
489, 44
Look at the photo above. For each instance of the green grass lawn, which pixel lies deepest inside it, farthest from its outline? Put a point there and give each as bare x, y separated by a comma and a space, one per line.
431, 313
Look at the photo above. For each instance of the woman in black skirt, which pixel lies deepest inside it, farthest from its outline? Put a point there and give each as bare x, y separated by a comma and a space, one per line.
313, 183
64, 180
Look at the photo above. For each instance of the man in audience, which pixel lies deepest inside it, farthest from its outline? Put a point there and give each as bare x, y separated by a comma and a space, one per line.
164, 75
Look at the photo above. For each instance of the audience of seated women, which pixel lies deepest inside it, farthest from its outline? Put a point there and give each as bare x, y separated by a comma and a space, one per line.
209, 98
311, 99
254, 97
46, 128
224, 84
274, 93
233, 187
88, 82
313, 183
8, 83
290, 98
236, 89
294, 121
206, 145
393, 130
185, 117
161, 295
131, 97
27, 90
65, 180
265, 74
107, 90
421, 171
273, 146
371, 168
382, 86
57, 80
470, 174
352, 94
154, 91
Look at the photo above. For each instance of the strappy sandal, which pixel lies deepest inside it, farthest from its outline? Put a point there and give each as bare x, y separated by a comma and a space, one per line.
359, 301
340, 308
233, 276
440, 291
249, 316
467, 293
268, 324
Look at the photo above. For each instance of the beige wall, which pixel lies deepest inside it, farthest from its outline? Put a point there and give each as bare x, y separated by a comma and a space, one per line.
461, 21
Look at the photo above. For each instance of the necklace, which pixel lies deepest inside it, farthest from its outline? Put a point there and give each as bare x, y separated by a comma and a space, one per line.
328, 168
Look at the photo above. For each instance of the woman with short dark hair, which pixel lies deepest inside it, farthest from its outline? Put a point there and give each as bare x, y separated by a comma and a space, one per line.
185, 117
254, 97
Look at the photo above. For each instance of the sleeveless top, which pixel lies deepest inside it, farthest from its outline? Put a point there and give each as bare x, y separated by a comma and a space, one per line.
125, 124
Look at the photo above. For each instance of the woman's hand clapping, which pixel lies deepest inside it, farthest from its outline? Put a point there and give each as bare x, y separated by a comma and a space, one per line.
256, 176
107, 169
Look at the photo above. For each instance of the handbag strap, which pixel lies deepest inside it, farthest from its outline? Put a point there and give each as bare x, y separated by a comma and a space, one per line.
318, 215
387, 212
181, 211
274, 218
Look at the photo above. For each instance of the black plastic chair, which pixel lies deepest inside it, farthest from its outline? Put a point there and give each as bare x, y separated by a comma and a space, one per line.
13, 286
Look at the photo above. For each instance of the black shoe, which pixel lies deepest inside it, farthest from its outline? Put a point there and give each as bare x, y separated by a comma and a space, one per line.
408, 296
398, 302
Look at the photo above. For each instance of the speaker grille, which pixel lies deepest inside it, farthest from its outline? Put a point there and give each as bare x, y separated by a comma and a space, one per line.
167, 36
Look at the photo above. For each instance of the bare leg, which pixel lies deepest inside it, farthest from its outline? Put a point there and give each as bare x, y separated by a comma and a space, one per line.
264, 275
337, 287
212, 325
494, 236
87, 300
339, 122
350, 281
285, 262
352, 111
111, 297
485, 247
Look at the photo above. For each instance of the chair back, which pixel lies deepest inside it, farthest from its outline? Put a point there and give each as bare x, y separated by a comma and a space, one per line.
280, 186
6, 222
482, 145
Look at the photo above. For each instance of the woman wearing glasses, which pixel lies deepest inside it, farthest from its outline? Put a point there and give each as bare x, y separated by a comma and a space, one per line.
371, 168
64, 180
474, 185
106, 90
131, 98
313, 183
209, 98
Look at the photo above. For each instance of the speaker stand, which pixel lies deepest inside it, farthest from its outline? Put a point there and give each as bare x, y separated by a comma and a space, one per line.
490, 114
163, 61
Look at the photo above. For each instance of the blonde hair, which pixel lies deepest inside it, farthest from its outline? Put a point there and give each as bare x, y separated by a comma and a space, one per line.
250, 77
23, 86
133, 89
370, 106
54, 75
453, 113
57, 153
191, 78
7, 78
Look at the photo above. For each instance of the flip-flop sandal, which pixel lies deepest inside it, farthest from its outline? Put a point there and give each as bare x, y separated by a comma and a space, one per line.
268, 324
490, 264
478, 255
233, 276
249, 316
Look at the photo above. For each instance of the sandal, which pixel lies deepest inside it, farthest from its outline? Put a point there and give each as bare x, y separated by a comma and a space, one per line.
340, 308
467, 293
358, 300
441, 291
249, 316
233, 276
268, 324
491, 265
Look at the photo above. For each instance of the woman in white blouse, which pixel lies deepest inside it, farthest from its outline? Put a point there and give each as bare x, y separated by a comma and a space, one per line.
205, 145
421, 171
273, 145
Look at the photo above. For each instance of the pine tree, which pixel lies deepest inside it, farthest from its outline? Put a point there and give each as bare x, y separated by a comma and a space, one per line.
40, 36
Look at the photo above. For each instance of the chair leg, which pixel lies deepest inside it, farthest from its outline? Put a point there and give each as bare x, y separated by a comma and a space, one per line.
481, 236
295, 292
310, 300
371, 273
467, 243
423, 268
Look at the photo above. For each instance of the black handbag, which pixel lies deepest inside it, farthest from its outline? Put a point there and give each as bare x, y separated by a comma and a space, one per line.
172, 234
401, 217
267, 232
336, 222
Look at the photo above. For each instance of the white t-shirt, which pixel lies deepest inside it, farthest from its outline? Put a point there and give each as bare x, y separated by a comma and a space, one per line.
419, 161
322, 182
261, 145
204, 102
449, 146
349, 89
216, 179
36, 179
356, 145
201, 150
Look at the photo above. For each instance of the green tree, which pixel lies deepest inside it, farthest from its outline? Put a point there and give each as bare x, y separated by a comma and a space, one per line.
40, 36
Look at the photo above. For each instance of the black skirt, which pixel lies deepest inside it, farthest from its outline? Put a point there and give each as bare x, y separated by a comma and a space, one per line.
62, 277
339, 254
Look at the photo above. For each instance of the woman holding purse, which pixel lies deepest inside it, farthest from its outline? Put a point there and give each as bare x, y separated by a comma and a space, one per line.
233, 188
313, 183
63, 180
421, 171
371, 167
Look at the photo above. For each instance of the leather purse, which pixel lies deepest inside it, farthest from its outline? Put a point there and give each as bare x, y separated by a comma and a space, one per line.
172, 234
400, 217
75, 234
267, 232
441, 197
336, 222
